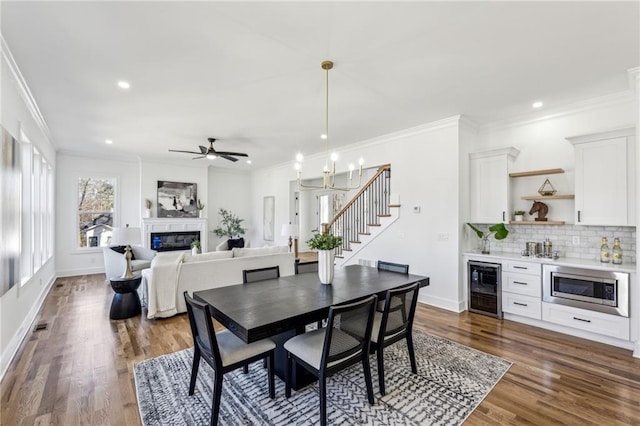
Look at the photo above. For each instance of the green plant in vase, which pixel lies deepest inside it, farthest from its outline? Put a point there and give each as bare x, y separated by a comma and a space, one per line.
499, 232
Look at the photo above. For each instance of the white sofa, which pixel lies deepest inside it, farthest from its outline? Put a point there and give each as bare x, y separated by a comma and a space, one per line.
173, 273
115, 263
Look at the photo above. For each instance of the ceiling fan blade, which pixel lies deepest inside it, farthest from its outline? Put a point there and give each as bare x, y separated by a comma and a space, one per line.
188, 152
203, 149
219, 154
237, 154
195, 158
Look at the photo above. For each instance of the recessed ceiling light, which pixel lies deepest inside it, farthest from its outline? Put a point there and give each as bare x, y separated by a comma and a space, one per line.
123, 85
248, 161
537, 104
108, 141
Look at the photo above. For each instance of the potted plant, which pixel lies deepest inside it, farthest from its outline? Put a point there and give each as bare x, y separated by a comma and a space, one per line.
199, 207
230, 227
195, 247
147, 207
518, 215
325, 244
499, 231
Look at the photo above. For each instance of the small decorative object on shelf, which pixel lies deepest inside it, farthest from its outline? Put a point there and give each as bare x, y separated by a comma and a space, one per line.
604, 251
616, 253
195, 247
200, 207
546, 189
147, 208
542, 210
518, 215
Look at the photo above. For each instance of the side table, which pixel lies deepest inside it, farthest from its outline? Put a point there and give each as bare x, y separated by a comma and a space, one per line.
126, 302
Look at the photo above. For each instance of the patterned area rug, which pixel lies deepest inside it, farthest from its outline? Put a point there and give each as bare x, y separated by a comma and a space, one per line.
451, 382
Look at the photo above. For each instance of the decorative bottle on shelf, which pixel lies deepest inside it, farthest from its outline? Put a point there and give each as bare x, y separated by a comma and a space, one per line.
604, 251
616, 253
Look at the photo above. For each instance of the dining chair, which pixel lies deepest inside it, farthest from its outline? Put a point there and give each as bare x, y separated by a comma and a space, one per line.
328, 350
303, 268
395, 323
253, 275
399, 268
223, 351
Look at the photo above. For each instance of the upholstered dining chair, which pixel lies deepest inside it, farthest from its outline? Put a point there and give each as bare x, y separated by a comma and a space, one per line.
328, 350
306, 267
261, 274
223, 351
395, 323
399, 268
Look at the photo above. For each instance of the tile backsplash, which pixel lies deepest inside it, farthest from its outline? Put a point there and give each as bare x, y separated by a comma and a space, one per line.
561, 236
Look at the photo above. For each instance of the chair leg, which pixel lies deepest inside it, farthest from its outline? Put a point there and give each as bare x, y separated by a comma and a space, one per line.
367, 378
319, 324
272, 385
194, 370
412, 355
380, 358
322, 381
217, 393
287, 376
245, 368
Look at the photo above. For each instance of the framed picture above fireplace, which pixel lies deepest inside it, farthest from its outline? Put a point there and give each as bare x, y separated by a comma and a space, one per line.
177, 199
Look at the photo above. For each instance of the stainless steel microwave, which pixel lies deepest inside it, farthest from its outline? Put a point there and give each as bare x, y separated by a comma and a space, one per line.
593, 289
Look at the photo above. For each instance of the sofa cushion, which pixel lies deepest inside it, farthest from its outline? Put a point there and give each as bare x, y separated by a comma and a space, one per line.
121, 250
214, 255
259, 251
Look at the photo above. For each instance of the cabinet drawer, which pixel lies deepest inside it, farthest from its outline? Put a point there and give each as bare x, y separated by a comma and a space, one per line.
526, 306
595, 322
522, 267
529, 285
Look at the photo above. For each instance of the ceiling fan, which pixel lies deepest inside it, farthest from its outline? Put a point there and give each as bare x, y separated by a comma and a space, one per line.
211, 153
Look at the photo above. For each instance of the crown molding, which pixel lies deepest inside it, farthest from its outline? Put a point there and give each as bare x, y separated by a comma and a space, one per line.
511, 152
99, 156
24, 91
570, 109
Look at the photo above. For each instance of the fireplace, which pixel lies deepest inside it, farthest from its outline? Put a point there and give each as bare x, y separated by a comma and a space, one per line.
165, 234
172, 241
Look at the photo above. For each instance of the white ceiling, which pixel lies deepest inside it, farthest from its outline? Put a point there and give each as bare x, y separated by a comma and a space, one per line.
249, 73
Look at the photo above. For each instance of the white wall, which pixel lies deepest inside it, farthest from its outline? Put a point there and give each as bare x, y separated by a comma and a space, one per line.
230, 190
19, 306
424, 172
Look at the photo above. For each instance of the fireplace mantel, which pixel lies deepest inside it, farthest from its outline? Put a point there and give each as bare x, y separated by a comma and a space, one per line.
155, 224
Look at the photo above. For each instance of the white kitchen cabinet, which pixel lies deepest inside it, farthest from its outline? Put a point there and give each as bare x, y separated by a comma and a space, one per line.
522, 288
605, 178
489, 185
592, 321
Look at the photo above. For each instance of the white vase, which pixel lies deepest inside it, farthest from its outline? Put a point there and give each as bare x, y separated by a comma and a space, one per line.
326, 266
519, 217
147, 213
194, 251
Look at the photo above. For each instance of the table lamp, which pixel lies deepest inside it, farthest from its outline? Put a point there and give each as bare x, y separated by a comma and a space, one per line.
126, 237
291, 230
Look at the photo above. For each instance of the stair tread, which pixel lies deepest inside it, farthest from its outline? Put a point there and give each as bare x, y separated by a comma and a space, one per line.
393, 205
373, 224
364, 233
384, 215
354, 242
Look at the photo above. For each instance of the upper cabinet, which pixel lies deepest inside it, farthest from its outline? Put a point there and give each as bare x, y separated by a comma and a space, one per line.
605, 178
489, 185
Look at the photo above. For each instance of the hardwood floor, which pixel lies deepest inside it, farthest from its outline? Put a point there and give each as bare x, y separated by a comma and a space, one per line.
79, 370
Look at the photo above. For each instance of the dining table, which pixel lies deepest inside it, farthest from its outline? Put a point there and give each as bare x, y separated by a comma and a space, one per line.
280, 308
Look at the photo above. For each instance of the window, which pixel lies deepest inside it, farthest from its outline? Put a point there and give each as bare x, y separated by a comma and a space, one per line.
95, 211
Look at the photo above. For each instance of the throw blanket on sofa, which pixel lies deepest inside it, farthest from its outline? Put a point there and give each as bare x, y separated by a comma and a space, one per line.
162, 294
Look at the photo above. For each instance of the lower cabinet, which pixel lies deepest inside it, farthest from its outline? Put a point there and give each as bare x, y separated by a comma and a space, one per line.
594, 322
518, 304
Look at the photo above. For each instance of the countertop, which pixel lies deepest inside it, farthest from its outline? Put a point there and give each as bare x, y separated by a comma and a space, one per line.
565, 261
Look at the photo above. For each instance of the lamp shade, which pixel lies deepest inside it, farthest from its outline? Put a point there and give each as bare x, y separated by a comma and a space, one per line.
290, 230
126, 236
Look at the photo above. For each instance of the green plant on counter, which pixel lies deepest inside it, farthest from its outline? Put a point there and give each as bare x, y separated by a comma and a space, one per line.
195, 244
499, 231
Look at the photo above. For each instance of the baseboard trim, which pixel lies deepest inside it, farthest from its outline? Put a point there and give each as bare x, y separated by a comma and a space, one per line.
439, 302
76, 272
24, 330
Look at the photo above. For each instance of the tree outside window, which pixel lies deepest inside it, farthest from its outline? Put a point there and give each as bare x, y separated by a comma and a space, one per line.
95, 211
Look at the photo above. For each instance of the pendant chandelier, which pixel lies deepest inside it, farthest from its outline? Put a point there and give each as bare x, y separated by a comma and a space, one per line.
329, 169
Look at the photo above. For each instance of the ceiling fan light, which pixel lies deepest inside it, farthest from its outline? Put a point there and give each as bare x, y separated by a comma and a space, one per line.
211, 156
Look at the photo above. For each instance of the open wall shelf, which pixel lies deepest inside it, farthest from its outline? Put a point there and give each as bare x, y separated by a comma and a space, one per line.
549, 197
534, 222
536, 173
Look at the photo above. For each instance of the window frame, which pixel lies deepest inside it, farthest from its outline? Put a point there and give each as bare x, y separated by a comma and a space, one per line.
76, 249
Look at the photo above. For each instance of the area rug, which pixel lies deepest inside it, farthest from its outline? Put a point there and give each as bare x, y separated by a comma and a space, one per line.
451, 382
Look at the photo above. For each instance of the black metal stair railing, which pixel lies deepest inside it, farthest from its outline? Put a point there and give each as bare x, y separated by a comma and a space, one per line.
363, 211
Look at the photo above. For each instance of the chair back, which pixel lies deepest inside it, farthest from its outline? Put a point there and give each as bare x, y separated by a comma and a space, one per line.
303, 268
348, 330
399, 310
261, 274
204, 335
393, 267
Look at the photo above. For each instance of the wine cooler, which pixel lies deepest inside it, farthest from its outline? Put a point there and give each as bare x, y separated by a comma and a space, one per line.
485, 289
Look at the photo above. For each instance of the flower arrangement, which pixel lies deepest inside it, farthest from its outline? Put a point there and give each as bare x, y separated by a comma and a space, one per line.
199, 205
148, 204
321, 241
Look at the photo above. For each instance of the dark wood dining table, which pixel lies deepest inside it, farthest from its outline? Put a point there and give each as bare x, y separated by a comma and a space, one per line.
281, 308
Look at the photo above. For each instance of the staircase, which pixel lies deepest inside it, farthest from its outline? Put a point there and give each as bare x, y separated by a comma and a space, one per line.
365, 217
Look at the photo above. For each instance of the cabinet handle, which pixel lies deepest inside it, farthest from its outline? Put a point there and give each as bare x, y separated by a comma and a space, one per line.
503, 217
520, 304
520, 267
578, 215
518, 282
580, 319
